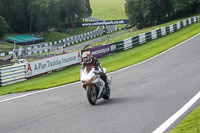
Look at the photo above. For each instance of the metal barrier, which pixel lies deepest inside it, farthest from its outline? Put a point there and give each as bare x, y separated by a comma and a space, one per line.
120, 46
154, 34
135, 41
12, 74
148, 36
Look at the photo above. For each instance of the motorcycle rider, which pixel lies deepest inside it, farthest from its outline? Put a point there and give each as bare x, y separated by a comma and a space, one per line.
88, 60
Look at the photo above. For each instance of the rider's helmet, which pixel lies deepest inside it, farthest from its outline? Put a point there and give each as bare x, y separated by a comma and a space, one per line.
86, 57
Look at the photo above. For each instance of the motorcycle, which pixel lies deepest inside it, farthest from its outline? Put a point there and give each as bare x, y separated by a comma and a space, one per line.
94, 85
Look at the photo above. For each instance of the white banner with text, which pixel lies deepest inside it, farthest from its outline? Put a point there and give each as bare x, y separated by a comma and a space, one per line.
45, 65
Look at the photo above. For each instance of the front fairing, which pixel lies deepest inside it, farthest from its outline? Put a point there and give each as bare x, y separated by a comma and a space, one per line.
90, 77
87, 75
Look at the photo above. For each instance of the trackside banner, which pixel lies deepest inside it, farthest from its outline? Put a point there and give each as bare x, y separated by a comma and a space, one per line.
101, 51
98, 23
45, 65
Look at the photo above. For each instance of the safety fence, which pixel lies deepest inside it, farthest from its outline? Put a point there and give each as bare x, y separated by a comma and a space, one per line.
60, 61
154, 34
12, 74
129, 43
46, 47
57, 45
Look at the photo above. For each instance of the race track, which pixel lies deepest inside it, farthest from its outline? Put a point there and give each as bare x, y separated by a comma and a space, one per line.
142, 98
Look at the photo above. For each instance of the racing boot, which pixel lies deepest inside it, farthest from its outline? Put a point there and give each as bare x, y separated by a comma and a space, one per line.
107, 86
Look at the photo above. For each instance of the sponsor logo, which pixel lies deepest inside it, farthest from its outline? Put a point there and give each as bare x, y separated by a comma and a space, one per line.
29, 68
100, 51
113, 48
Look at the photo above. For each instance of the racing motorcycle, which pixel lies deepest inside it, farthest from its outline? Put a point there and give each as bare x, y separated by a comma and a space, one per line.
94, 85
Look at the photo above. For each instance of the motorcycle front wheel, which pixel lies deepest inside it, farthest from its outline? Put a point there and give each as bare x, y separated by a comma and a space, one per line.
106, 95
91, 94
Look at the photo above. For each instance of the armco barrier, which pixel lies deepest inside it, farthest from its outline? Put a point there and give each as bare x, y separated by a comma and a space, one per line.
167, 30
148, 36
154, 34
128, 43
135, 41
12, 74
142, 38
42, 48
119, 46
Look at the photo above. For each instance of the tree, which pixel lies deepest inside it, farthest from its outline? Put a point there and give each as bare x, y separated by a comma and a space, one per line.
54, 13
143, 13
134, 12
88, 8
3, 26
183, 7
42, 15
73, 11
31, 12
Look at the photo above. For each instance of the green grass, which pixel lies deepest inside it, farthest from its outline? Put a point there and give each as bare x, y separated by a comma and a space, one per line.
134, 32
6, 47
56, 36
121, 26
50, 37
108, 9
125, 58
191, 124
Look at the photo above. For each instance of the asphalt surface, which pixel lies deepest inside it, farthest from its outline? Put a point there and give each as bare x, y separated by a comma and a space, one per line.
82, 45
100, 39
142, 98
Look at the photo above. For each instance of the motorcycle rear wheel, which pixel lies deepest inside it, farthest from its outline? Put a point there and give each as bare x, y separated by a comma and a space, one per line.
91, 95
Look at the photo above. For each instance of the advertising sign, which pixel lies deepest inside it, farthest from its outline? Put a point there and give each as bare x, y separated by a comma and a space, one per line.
49, 64
102, 50
98, 23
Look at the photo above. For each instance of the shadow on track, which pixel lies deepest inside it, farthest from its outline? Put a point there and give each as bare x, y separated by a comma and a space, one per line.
113, 101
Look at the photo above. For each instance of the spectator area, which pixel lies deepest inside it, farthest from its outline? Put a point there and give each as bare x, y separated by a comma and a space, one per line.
25, 39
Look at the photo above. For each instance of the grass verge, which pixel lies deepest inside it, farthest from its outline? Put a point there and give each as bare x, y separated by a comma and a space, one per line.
191, 124
108, 9
112, 63
56, 36
134, 32
50, 37
6, 47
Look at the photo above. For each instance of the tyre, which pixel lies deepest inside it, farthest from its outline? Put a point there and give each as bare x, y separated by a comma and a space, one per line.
106, 96
91, 95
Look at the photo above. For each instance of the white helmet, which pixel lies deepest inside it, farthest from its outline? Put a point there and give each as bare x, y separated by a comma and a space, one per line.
86, 57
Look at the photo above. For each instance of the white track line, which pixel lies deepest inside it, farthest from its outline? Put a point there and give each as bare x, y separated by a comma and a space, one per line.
174, 117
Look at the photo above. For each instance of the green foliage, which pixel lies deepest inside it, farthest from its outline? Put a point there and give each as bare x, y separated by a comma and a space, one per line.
182, 5
43, 15
142, 13
3, 27
88, 8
